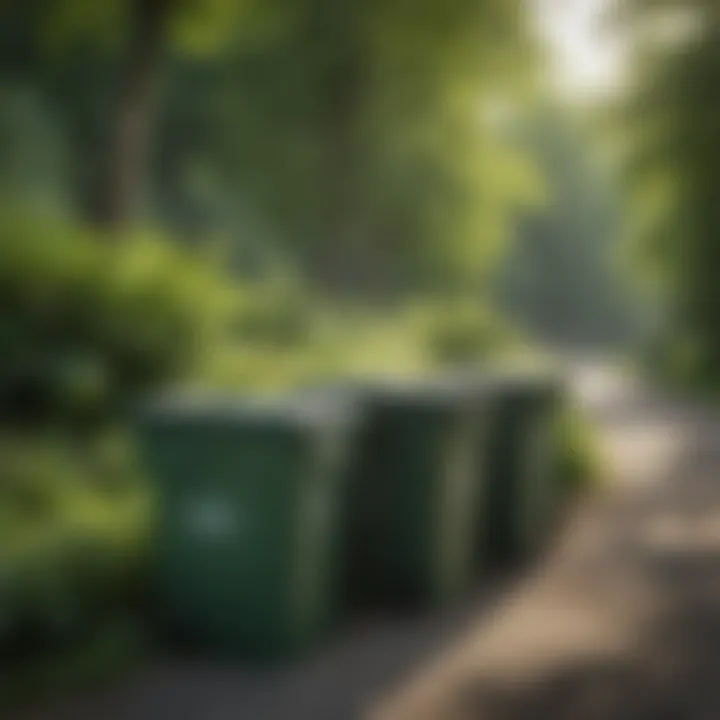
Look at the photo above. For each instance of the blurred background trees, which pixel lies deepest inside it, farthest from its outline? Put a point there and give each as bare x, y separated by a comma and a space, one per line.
349, 142
361, 155
383, 152
668, 125
561, 278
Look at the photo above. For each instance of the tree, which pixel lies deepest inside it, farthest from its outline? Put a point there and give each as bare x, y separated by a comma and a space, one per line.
129, 137
673, 174
137, 34
561, 279
350, 139
356, 140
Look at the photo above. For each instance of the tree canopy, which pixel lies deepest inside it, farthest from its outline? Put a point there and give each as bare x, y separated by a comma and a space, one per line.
351, 140
671, 118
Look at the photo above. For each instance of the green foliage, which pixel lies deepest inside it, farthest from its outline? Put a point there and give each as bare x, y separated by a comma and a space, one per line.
294, 342
465, 331
87, 322
197, 27
580, 466
355, 142
354, 139
34, 166
74, 533
75, 521
560, 280
670, 124
273, 314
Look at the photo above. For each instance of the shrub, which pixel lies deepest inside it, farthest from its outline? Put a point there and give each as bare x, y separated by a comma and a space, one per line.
86, 322
462, 331
74, 528
274, 314
578, 455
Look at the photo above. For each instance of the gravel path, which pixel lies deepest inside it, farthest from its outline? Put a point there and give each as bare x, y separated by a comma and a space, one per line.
623, 619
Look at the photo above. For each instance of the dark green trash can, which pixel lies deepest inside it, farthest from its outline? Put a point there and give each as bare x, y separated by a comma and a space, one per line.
411, 501
521, 468
248, 506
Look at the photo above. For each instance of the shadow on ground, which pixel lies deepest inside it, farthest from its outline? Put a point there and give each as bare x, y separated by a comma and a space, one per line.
667, 537
368, 659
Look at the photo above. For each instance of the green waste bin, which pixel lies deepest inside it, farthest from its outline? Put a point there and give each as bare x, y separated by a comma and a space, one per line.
410, 508
521, 466
246, 533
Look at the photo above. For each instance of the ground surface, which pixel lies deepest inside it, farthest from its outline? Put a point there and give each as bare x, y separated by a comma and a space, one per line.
620, 620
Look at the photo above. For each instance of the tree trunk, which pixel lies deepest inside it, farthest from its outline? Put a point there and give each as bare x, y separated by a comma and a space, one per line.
124, 162
336, 260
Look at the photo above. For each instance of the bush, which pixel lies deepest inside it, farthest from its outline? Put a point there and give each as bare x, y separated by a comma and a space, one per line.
462, 331
86, 321
275, 314
74, 529
579, 458
281, 339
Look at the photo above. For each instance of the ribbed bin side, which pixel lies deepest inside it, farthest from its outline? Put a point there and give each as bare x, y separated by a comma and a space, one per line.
410, 502
521, 468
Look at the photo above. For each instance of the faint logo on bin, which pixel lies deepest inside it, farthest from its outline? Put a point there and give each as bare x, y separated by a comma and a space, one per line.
214, 517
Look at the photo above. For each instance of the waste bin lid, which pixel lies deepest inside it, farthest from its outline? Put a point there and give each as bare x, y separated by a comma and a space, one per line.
476, 385
439, 389
540, 383
301, 408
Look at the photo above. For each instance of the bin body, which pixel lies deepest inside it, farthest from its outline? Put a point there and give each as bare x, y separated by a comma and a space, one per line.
411, 499
521, 467
246, 531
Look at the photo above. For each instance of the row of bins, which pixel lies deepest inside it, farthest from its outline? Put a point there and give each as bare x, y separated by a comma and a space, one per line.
276, 518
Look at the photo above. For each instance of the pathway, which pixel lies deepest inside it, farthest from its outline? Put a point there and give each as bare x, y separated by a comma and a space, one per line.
623, 619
